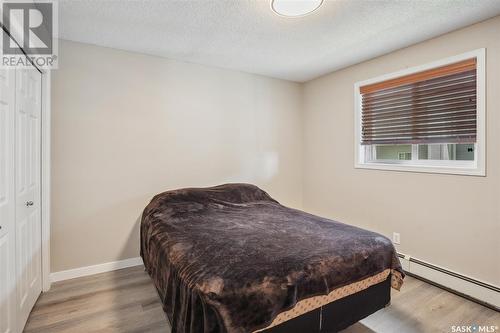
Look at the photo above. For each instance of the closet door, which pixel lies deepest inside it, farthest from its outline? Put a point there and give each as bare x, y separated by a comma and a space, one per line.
28, 217
7, 203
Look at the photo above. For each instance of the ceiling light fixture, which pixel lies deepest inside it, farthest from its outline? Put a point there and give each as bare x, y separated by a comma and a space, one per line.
295, 8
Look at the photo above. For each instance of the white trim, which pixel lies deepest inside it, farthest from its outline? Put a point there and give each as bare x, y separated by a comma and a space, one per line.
478, 168
45, 179
462, 286
465, 287
95, 269
458, 168
481, 111
414, 152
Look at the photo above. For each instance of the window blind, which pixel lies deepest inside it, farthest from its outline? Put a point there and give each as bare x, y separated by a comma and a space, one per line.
433, 106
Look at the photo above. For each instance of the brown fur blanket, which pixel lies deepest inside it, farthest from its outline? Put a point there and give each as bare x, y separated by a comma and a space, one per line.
230, 258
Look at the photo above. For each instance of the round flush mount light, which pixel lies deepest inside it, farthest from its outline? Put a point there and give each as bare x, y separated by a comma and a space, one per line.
295, 8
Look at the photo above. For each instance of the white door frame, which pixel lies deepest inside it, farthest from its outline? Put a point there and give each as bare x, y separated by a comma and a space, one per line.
45, 178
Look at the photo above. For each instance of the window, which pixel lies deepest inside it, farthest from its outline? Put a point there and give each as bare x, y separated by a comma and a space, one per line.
424, 119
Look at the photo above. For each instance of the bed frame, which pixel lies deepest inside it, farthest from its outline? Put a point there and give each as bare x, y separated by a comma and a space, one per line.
340, 314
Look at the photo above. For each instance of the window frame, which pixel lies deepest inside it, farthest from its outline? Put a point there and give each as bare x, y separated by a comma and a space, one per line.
457, 167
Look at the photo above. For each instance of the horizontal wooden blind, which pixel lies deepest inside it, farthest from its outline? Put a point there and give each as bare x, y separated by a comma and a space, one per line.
434, 106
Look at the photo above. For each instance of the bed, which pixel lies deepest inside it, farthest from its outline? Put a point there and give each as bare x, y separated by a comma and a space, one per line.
230, 259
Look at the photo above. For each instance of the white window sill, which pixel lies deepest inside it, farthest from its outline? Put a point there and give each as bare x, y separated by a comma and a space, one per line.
471, 168
461, 168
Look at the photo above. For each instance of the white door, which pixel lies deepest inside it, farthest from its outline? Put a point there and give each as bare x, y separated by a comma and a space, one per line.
27, 189
7, 203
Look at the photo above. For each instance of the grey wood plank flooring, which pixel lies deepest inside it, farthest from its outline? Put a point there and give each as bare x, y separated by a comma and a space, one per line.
126, 301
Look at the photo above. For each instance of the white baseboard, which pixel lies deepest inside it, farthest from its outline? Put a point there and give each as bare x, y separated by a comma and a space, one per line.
94, 269
471, 289
459, 284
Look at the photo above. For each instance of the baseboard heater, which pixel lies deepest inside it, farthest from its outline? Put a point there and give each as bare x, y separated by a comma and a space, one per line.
477, 291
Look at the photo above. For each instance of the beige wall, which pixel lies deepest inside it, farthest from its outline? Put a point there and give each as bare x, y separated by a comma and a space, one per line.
452, 221
126, 126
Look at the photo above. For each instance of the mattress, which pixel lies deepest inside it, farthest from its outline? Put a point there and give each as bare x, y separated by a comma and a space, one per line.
232, 259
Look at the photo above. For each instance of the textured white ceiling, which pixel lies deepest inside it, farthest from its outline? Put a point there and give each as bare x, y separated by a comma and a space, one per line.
246, 35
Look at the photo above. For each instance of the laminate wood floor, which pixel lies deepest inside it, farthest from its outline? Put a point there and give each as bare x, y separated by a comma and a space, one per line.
126, 301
